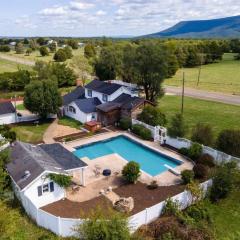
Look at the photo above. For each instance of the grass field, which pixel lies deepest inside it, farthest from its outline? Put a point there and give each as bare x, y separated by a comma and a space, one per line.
220, 77
8, 66
20, 107
220, 116
30, 133
70, 122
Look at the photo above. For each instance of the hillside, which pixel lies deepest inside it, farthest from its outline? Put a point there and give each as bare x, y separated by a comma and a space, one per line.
215, 28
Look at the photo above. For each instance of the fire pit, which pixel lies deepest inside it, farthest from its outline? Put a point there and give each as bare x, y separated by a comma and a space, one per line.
106, 172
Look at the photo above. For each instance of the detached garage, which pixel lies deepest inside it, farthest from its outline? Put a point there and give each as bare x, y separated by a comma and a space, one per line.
7, 113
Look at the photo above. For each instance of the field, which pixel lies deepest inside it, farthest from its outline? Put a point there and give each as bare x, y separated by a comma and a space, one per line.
220, 77
9, 66
29, 132
220, 116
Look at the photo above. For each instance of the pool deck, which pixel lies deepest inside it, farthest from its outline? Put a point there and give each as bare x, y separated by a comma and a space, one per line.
116, 162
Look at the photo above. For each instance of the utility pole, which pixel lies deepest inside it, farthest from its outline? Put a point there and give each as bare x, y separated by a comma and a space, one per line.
200, 69
183, 90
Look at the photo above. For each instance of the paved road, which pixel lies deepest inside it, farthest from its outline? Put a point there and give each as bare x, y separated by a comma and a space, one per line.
17, 60
213, 96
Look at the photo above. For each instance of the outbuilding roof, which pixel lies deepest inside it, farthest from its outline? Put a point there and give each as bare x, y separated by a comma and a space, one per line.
28, 161
77, 93
6, 107
88, 105
103, 87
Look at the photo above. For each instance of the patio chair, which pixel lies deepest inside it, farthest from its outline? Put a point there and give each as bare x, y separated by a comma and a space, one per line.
97, 171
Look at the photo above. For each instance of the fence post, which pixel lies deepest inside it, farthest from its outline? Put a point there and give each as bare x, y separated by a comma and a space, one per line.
146, 215
59, 226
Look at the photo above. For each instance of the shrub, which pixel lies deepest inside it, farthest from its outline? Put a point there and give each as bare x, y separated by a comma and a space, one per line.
177, 126
200, 171
228, 141
153, 185
131, 172
198, 212
60, 56
203, 134
153, 116
195, 151
187, 176
62, 180
183, 151
206, 160
142, 132
222, 182
171, 208
5, 48
43, 51
125, 123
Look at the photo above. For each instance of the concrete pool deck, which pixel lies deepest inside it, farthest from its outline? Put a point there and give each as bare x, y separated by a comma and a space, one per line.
116, 162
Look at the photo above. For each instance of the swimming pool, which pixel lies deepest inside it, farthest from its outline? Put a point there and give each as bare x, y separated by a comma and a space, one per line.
151, 161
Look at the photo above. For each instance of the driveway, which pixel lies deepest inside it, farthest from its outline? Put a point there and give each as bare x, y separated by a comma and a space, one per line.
200, 94
17, 60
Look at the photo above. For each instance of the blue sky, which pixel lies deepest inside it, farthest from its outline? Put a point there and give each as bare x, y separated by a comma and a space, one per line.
104, 17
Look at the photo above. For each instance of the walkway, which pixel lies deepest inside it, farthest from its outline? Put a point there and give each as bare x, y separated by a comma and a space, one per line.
17, 60
49, 133
201, 94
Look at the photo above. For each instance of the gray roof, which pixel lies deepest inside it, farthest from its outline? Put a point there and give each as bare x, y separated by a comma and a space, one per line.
34, 160
6, 107
87, 105
109, 106
103, 87
77, 93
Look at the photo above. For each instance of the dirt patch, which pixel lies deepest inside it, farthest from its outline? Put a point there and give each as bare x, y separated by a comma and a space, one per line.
69, 209
144, 197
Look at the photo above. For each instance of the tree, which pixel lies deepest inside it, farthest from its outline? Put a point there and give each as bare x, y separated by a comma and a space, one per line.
228, 141
33, 44
41, 41
72, 43
81, 67
68, 52
150, 76
43, 51
5, 48
19, 48
104, 224
53, 47
131, 172
42, 98
203, 134
152, 116
5, 181
60, 56
28, 51
89, 51
177, 126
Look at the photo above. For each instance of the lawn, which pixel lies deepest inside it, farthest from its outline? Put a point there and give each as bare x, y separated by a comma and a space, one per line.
32, 133
70, 122
9, 66
220, 116
20, 107
226, 217
15, 225
220, 77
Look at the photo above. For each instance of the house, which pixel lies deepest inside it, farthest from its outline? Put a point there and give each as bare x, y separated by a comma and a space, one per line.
30, 166
105, 102
7, 113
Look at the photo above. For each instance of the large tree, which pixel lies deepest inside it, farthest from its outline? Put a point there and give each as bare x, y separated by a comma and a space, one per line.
42, 98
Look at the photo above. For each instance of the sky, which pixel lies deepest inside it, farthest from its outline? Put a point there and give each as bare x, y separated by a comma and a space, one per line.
88, 18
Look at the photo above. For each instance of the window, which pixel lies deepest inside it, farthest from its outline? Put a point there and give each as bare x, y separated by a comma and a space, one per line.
89, 93
45, 188
72, 109
105, 97
93, 116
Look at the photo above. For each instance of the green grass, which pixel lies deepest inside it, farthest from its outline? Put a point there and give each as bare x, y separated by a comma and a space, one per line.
226, 217
220, 116
220, 77
70, 122
32, 133
9, 66
20, 107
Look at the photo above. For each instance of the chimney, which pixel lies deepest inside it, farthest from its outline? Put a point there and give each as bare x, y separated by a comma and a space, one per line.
79, 83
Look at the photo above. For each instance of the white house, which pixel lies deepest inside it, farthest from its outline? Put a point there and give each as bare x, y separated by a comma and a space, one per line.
30, 167
7, 113
105, 102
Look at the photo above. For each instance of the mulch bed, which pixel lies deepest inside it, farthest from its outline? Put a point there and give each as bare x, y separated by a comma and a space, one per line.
143, 198
75, 136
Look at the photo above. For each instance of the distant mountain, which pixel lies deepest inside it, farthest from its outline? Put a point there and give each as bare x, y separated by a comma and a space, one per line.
216, 28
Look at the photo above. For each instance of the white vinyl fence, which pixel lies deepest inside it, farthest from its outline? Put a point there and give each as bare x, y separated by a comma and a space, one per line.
66, 226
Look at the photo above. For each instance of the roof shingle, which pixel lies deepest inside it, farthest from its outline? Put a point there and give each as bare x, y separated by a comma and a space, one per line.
6, 107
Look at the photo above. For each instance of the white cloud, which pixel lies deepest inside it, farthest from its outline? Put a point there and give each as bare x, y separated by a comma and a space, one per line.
80, 5
101, 13
54, 11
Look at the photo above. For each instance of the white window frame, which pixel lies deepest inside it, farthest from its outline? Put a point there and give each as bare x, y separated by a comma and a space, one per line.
105, 97
89, 92
72, 109
48, 188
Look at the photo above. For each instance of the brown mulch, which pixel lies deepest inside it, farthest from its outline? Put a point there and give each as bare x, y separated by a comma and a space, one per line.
79, 135
143, 198
68, 209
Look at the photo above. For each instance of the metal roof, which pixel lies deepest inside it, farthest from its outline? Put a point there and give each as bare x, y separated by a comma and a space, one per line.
6, 107
87, 105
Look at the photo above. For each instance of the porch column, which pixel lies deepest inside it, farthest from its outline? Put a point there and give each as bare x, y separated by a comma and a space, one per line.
83, 177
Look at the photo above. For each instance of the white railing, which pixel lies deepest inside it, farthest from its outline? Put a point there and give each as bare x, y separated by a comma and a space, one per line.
130, 85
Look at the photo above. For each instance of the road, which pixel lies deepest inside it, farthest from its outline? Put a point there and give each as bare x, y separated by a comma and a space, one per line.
200, 94
17, 60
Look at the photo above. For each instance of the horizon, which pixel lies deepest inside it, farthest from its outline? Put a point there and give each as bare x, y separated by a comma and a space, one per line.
95, 18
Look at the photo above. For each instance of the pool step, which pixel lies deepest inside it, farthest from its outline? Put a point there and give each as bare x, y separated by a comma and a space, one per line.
172, 170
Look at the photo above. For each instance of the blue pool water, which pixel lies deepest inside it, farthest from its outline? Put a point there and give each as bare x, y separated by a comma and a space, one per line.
151, 162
